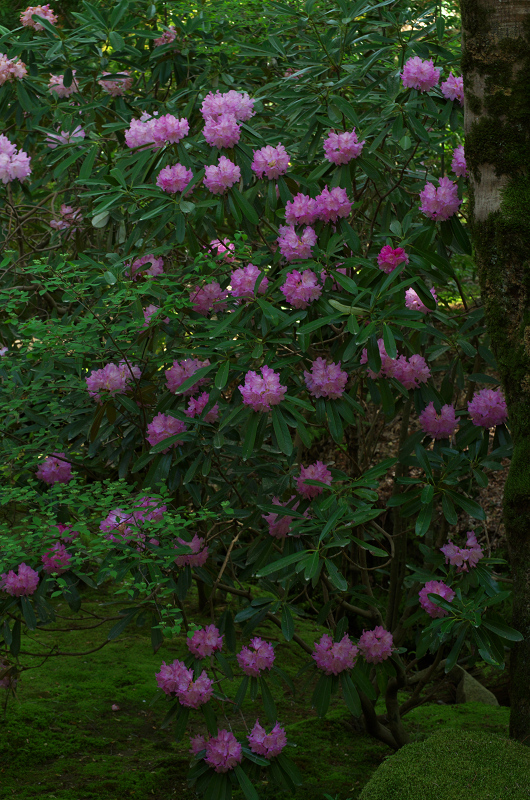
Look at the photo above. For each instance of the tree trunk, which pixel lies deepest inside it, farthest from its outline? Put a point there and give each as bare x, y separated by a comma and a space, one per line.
496, 69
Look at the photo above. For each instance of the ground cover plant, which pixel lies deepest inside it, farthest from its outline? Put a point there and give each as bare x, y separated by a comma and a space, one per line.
212, 265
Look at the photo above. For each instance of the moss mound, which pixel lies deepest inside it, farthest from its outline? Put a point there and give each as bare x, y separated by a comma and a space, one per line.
454, 765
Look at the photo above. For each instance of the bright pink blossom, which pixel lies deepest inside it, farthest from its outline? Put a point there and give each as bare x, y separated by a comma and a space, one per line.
266, 744
387, 363
174, 179
260, 393
222, 131
55, 470
194, 693
207, 298
488, 408
112, 378
45, 12
300, 289
294, 247
163, 426
56, 85
11, 69
438, 426
412, 372
243, 281
332, 204
57, 559
205, 642
458, 164
218, 179
414, 303
238, 104
22, 582
156, 267
255, 659
270, 161
466, 557
280, 525
326, 379
420, 75
140, 132
314, 472
442, 202
376, 646
172, 676
335, 657
224, 249
435, 587
116, 86
167, 37
14, 164
340, 148
223, 752
169, 129
388, 258
453, 88
199, 553
181, 371
301, 210
196, 406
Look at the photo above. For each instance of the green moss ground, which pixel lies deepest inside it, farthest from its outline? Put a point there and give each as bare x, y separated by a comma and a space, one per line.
62, 740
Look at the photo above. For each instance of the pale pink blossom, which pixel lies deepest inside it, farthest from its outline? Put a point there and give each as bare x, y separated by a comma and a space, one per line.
218, 179
243, 281
224, 249
181, 371
57, 559
442, 202
11, 69
488, 408
68, 217
301, 210
156, 267
76, 136
205, 642
194, 693
40, 11
301, 289
208, 298
169, 129
414, 303
116, 86
270, 161
266, 744
221, 131
140, 133
56, 85
335, 657
163, 426
340, 148
20, 583
376, 646
438, 426
453, 88
255, 659
412, 372
197, 405
326, 379
167, 37
199, 552
435, 587
388, 258
55, 469
420, 75
332, 204
260, 393
314, 472
112, 378
458, 164
465, 557
238, 104
223, 752
14, 164
280, 525
174, 179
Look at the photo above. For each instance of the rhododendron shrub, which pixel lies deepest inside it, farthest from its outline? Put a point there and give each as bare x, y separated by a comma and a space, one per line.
250, 363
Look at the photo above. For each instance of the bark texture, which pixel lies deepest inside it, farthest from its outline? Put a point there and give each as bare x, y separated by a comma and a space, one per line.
496, 69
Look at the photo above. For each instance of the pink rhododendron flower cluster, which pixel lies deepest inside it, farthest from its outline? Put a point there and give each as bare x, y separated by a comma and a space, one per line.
218, 179
243, 281
181, 371
222, 131
40, 11
156, 267
149, 313
125, 523
326, 380
69, 216
435, 587
458, 164
163, 426
255, 659
167, 37
56, 85
389, 258
177, 679
453, 88
11, 69
414, 303
465, 557
7, 682
280, 526
116, 86
224, 249
314, 472
420, 75
205, 642
335, 657
376, 646
270, 161
387, 363
223, 752
174, 179
238, 104
66, 533
487, 408
409, 372
294, 247
3, 350
438, 426
301, 210
76, 136
266, 744
155, 132
55, 470
300, 289
112, 378
198, 556
208, 297
340, 148
442, 202
22, 582
260, 393
196, 406
332, 204
14, 164
57, 559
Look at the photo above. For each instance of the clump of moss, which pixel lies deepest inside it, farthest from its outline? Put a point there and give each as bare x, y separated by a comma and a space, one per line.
454, 765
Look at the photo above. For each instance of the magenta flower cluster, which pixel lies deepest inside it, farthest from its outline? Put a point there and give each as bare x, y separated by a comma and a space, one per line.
55, 469
75, 136
223, 752
453, 88
438, 426
197, 405
314, 472
155, 132
57, 559
442, 202
199, 553
327, 206
181, 371
255, 659
270, 161
238, 104
222, 131
458, 164
463, 557
112, 379
376, 646
340, 148
335, 657
205, 642
243, 281
294, 247
487, 408
174, 179
161, 427
208, 297
266, 744
22, 582
177, 680
420, 75
218, 179
260, 393
326, 379
435, 587
11, 69
414, 302
14, 164
410, 372
68, 217
301, 288
389, 258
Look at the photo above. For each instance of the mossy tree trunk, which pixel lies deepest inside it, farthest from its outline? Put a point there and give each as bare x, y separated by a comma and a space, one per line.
496, 69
